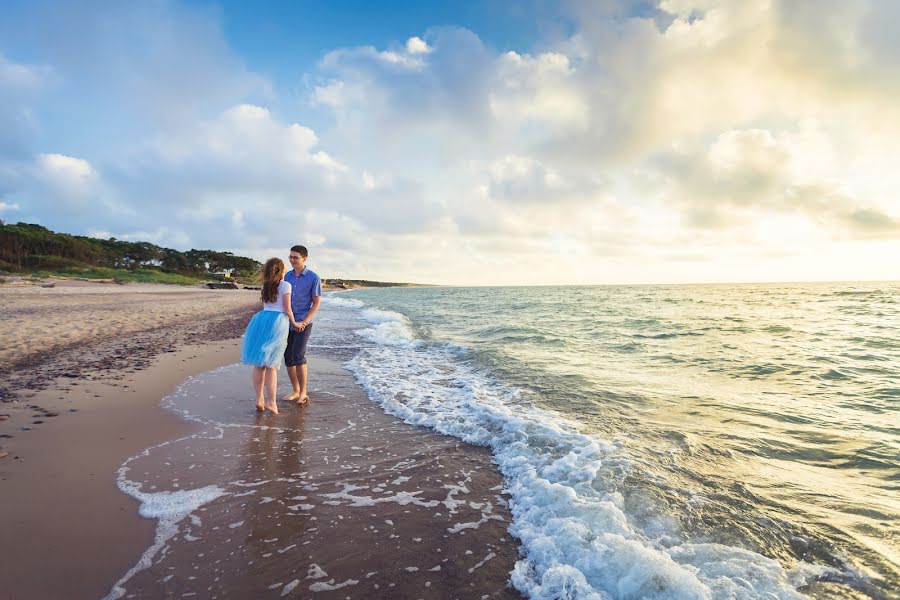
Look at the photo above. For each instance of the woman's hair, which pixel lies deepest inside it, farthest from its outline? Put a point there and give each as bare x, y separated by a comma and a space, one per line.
272, 273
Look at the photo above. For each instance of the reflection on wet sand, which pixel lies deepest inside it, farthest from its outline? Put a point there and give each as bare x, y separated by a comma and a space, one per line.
334, 500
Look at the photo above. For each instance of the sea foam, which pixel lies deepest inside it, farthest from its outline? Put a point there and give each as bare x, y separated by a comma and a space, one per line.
389, 328
335, 300
168, 507
577, 540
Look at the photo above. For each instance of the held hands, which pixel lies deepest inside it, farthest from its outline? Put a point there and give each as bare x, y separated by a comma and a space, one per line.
300, 326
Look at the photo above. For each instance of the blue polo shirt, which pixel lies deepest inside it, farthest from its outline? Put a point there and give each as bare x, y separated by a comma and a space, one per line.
303, 287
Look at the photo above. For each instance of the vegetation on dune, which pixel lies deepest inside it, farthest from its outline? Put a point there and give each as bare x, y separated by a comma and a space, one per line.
122, 275
29, 248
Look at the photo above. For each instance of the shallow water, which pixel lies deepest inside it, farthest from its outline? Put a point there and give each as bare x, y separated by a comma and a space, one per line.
660, 441
332, 500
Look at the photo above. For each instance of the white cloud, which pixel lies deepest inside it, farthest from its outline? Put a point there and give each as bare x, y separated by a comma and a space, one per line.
539, 89
71, 180
747, 177
66, 170
247, 173
56, 188
416, 45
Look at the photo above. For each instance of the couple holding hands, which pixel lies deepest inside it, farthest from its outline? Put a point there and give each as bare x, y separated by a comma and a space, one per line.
282, 328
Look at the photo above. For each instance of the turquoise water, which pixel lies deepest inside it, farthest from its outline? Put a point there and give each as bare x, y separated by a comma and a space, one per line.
743, 440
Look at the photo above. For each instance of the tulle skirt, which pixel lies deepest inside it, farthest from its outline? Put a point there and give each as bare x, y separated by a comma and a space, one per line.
265, 339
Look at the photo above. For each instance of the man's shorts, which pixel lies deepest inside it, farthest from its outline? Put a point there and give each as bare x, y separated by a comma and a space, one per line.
295, 353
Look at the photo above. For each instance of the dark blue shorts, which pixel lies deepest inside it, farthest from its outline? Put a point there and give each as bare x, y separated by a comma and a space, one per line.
295, 353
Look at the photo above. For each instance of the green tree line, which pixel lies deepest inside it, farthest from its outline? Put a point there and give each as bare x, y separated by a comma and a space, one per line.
25, 246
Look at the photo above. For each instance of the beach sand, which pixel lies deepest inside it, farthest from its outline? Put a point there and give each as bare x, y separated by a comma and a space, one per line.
396, 509
80, 329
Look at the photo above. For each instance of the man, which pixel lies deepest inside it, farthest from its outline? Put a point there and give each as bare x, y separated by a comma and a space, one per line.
306, 294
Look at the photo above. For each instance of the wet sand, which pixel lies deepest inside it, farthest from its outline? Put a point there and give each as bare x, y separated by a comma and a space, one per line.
332, 500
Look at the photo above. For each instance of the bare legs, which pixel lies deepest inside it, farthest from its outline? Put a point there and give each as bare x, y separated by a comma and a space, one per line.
271, 377
298, 377
266, 377
258, 373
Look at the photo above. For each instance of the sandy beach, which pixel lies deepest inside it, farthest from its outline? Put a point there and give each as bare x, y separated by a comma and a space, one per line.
80, 329
388, 510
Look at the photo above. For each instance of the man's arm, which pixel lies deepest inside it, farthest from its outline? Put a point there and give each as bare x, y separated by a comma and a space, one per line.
316, 301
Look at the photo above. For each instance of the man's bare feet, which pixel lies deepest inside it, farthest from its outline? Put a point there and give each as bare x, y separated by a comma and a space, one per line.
303, 400
295, 397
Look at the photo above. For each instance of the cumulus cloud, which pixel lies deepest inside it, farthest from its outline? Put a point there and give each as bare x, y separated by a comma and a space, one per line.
69, 184
743, 174
247, 173
393, 94
416, 45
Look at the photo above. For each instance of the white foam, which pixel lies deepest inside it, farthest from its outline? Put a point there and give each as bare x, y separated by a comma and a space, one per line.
490, 556
376, 316
331, 585
390, 328
577, 541
289, 587
485, 517
333, 300
401, 498
169, 508
314, 571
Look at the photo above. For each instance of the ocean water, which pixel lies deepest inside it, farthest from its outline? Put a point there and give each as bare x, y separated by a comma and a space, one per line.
709, 441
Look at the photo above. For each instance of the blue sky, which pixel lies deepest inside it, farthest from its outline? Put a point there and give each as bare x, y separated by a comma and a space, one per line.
466, 142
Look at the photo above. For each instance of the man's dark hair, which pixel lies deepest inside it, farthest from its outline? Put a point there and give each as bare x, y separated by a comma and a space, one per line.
301, 250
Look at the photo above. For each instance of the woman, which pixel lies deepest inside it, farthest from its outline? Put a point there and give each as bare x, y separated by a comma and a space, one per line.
266, 336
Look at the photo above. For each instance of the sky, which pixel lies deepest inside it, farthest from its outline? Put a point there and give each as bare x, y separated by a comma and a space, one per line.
466, 143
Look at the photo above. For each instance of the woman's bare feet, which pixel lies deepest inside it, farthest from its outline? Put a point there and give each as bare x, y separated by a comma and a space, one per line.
273, 406
260, 406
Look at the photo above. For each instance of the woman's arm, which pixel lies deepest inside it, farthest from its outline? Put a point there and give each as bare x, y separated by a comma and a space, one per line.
286, 303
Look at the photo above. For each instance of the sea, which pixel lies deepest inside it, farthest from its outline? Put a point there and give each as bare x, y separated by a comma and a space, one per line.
665, 442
